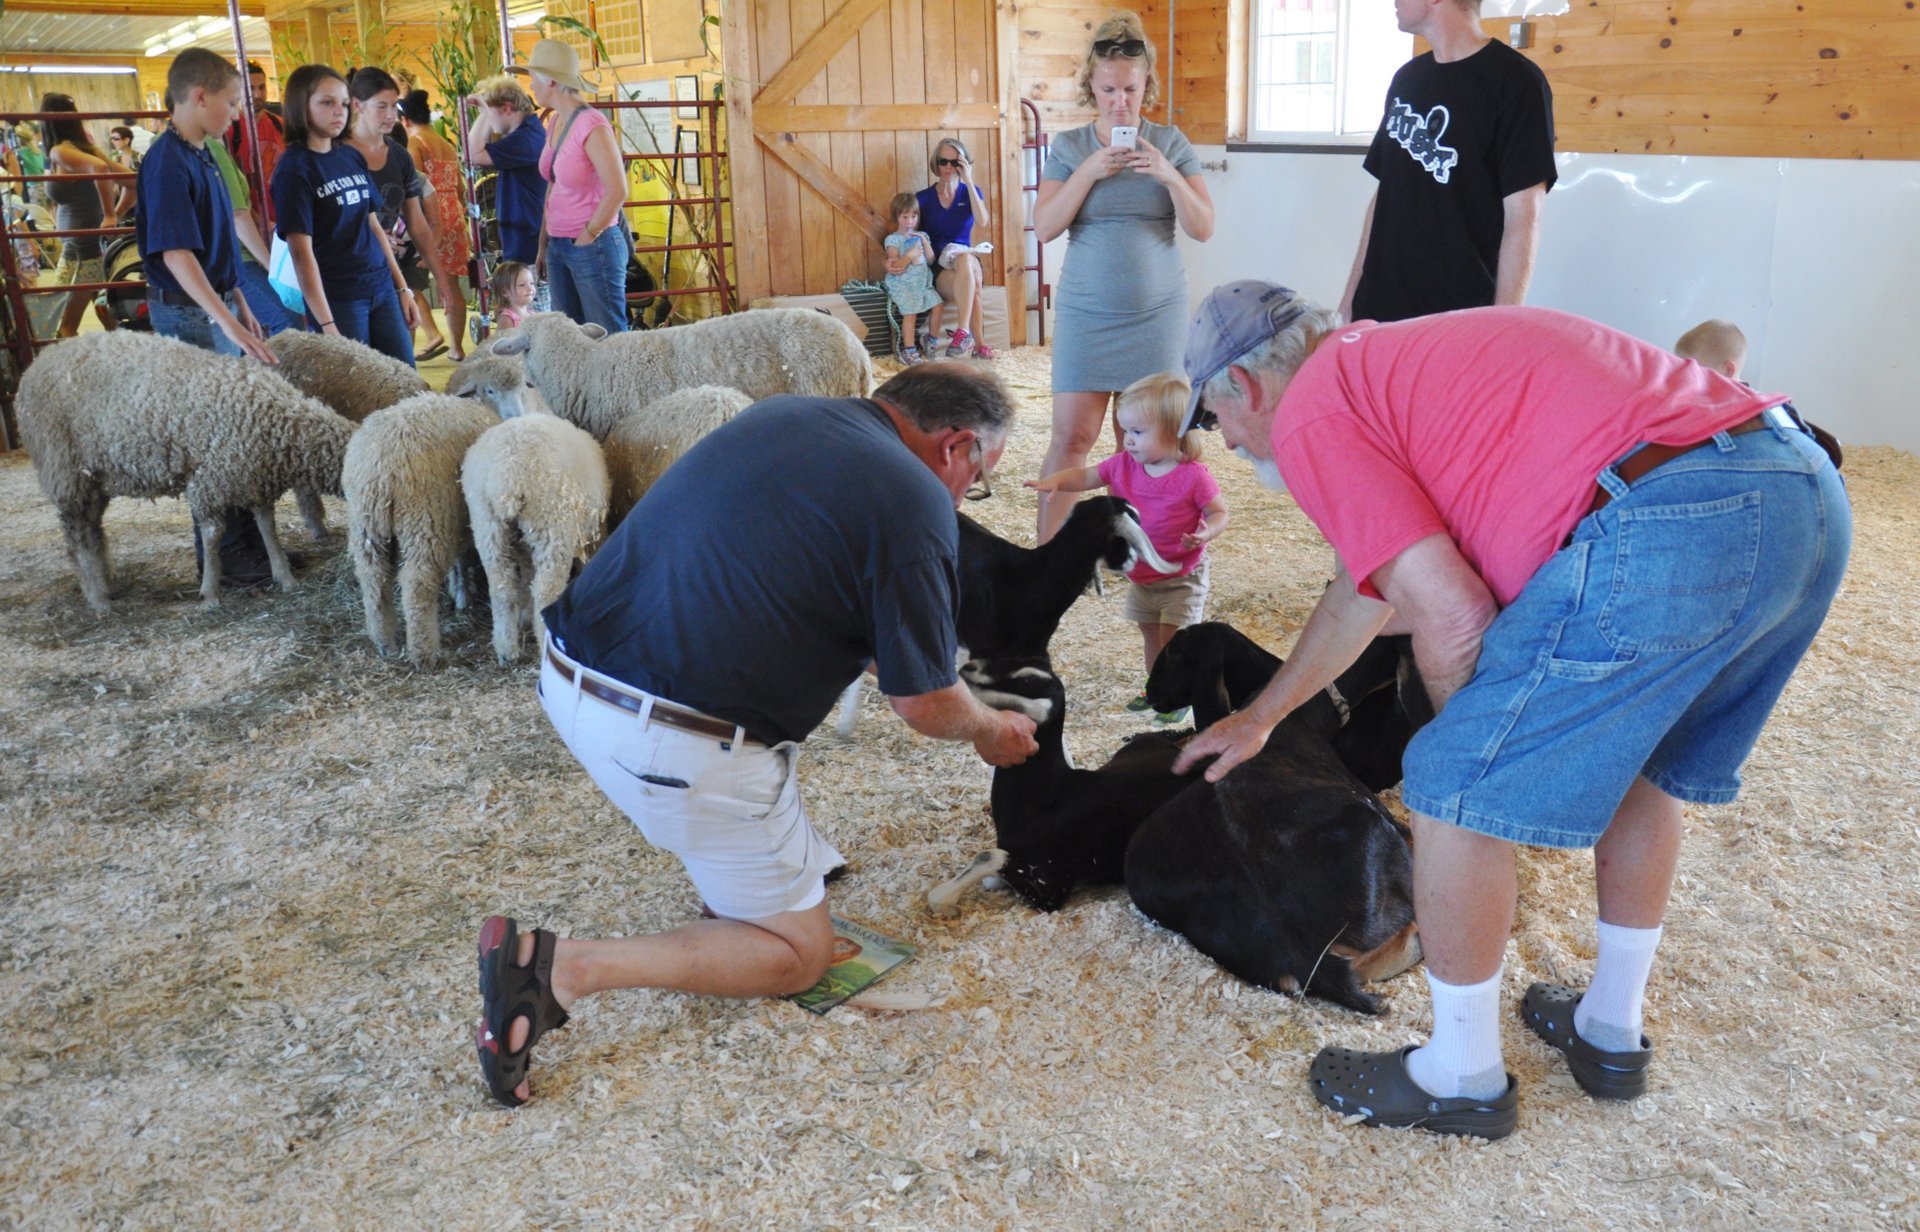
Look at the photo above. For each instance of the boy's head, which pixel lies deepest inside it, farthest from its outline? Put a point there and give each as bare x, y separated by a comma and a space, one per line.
902, 204
204, 91
1161, 401
1717, 344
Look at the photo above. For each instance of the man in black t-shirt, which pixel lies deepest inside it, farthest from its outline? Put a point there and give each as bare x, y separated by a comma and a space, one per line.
1464, 157
711, 633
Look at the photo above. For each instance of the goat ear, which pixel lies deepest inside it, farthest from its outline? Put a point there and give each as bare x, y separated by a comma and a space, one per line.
513, 344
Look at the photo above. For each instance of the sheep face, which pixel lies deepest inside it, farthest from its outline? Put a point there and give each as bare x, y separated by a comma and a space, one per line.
500, 383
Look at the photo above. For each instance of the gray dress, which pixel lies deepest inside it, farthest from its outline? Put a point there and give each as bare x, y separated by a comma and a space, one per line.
1121, 308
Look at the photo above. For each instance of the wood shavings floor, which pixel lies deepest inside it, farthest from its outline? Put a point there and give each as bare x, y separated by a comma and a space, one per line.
242, 861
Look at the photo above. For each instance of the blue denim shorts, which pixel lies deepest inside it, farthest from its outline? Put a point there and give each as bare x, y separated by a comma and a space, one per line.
1654, 644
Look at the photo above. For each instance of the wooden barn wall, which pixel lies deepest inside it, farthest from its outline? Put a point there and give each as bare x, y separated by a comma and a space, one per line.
1770, 78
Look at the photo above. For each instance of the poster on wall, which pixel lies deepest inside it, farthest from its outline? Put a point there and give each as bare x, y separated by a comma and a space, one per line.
646, 130
686, 89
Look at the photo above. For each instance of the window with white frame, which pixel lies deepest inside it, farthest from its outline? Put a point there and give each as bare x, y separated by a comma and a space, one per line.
1320, 69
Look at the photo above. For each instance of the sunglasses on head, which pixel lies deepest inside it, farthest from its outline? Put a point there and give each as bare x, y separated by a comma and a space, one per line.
1120, 47
948, 162
1204, 420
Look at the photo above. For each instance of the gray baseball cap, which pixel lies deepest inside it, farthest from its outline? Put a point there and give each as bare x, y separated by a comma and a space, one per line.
1231, 321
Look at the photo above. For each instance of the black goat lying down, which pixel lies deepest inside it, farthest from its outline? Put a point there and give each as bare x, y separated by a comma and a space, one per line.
1058, 827
1013, 598
1288, 872
1380, 701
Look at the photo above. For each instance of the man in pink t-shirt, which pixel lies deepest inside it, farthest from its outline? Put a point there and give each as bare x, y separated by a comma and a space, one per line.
1610, 560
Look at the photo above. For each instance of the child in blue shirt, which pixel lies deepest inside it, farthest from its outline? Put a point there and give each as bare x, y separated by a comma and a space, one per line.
325, 208
191, 255
184, 224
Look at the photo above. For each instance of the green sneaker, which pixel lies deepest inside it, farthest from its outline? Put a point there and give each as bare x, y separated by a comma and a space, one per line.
1172, 718
1140, 704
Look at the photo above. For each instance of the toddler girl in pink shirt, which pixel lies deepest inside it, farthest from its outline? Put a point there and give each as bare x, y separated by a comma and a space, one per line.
1158, 471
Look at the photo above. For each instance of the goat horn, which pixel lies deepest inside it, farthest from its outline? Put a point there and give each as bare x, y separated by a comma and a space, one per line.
1128, 529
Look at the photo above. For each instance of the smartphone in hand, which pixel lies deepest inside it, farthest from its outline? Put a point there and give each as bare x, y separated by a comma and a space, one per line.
1125, 136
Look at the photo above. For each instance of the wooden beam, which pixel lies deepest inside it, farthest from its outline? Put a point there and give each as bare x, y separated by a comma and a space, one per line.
812, 56
752, 274
1010, 205
319, 35
369, 16
907, 117
136, 8
823, 179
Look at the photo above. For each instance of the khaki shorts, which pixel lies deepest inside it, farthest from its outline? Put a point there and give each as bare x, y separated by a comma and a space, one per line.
1176, 601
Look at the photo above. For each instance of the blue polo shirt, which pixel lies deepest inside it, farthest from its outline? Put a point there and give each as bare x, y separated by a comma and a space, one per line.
183, 203
756, 579
329, 197
520, 195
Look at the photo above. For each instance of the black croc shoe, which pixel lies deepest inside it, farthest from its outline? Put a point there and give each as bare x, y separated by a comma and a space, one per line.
1548, 1010
1376, 1085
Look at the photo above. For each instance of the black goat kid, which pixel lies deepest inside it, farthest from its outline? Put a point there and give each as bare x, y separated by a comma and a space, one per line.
1375, 706
1058, 827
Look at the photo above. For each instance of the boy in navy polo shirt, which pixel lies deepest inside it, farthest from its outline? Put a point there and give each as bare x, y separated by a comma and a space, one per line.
185, 220
191, 254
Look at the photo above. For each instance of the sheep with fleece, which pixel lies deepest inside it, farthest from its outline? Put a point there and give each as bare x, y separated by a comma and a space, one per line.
592, 380
353, 379
136, 414
644, 443
536, 489
404, 508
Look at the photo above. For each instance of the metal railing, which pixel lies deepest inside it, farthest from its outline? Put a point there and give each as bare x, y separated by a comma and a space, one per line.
1038, 143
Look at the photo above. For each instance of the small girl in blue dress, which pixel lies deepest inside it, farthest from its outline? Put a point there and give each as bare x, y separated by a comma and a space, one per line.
910, 271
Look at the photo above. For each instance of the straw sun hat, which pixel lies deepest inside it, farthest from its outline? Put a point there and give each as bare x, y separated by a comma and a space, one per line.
557, 62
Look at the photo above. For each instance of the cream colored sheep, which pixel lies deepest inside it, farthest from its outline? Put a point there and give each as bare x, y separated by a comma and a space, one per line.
593, 380
500, 381
135, 414
352, 378
645, 442
536, 489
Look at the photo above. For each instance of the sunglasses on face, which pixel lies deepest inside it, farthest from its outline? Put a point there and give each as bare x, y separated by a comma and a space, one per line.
949, 162
1129, 48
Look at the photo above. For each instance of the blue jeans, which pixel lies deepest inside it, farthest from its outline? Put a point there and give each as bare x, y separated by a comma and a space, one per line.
1654, 644
590, 283
189, 323
261, 297
377, 322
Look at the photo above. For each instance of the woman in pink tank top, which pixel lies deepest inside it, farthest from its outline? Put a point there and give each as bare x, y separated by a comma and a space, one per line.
585, 244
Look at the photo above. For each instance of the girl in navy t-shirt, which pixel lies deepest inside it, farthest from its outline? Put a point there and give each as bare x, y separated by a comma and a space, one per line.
325, 209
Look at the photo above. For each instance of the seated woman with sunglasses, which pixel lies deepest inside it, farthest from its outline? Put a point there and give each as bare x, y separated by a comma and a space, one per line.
1121, 307
949, 207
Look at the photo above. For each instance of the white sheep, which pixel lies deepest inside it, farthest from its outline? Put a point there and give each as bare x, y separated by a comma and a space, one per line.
645, 442
352, 378
402, 484
136, 414
500, 381
536, 489
592, 380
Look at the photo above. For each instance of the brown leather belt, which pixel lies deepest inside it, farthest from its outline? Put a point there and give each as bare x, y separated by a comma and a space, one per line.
1659, 455
634, 702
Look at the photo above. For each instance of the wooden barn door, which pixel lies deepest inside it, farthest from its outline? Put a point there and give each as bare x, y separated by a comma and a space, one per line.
844, 100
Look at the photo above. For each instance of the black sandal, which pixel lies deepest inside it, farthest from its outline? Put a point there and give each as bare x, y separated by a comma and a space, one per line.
1376, 1085
1548, 1010
509, 991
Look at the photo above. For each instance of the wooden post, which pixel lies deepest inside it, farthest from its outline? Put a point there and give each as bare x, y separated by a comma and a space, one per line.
370, 17
1010, 249
753, 275
319, 35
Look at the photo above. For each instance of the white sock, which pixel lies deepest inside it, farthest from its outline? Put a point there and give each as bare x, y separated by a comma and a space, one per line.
1463, 1058
1608, 1016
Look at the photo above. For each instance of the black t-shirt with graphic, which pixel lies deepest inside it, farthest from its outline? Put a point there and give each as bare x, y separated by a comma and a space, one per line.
1455, 140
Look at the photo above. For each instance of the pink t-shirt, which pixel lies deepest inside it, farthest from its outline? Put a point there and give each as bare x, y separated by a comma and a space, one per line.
1169, 508
1487, 424
576, 185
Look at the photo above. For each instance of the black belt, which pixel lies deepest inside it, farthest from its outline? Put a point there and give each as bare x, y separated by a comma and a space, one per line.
635, 702
178, 299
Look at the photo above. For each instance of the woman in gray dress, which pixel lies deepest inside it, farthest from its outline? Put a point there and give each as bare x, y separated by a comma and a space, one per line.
78, 205
1122, 300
